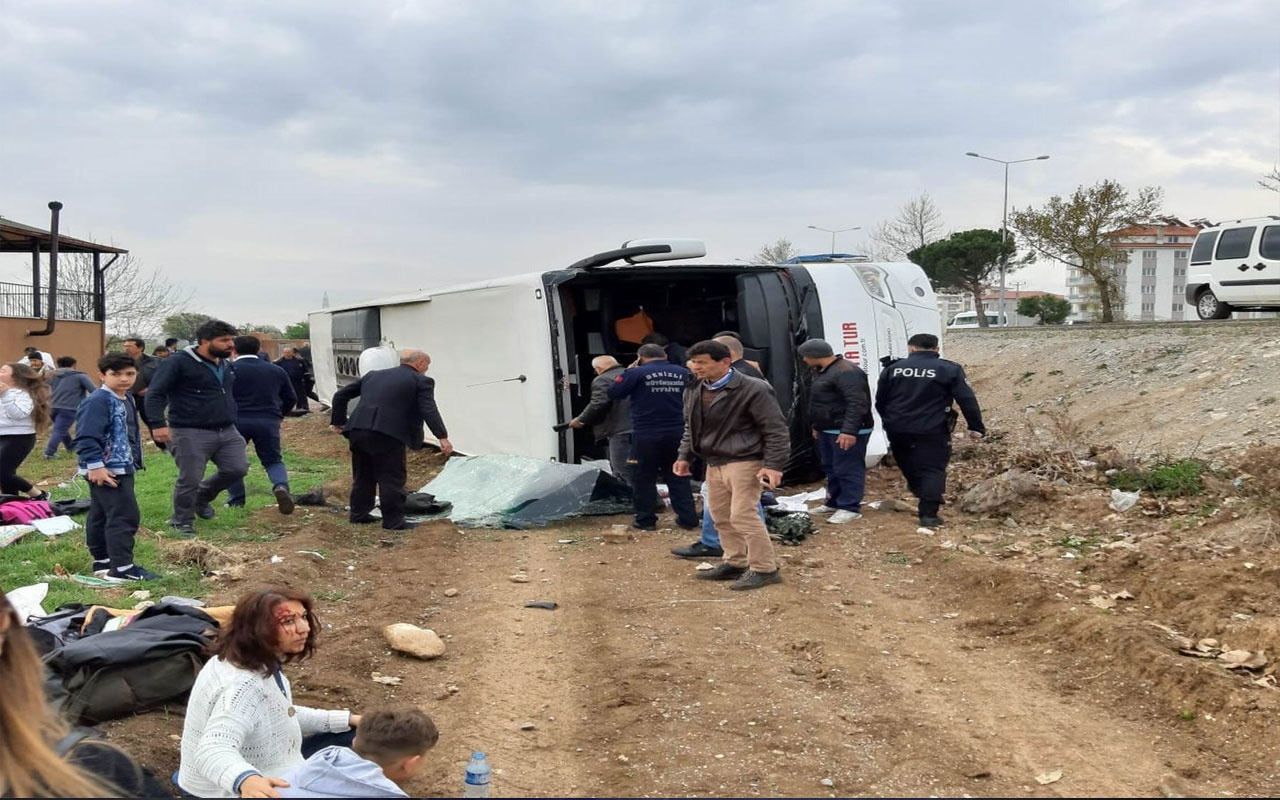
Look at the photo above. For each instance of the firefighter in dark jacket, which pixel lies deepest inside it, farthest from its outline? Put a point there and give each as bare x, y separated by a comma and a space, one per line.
840, 414
610, 419
656, 389
914, 399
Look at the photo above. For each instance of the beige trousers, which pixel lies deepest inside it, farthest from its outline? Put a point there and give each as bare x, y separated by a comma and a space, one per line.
734, 494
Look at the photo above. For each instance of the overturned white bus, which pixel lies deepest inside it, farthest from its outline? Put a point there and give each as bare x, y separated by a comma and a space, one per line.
512, 356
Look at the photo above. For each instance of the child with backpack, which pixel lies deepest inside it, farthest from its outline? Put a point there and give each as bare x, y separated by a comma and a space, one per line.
388, 749
109, 448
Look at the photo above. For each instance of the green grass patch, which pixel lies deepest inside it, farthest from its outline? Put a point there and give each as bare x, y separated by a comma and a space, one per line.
1179, 478
33, 558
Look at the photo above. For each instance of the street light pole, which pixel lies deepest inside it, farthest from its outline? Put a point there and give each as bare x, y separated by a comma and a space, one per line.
833, 234
1004, 224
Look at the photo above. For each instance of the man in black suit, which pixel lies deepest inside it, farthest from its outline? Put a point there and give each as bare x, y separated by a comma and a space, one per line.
394, 405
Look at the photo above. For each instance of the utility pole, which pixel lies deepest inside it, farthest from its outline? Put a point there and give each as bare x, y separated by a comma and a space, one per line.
1017, 295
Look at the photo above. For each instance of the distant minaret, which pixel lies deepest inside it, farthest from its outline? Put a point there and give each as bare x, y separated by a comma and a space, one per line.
325, 302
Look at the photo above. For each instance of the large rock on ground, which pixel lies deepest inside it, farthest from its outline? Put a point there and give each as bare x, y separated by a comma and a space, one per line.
413, 640
1001, 493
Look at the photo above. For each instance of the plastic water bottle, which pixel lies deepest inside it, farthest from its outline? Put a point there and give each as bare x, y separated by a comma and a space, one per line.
477, 781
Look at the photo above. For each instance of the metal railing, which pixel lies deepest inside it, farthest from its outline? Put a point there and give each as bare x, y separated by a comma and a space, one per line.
16, 300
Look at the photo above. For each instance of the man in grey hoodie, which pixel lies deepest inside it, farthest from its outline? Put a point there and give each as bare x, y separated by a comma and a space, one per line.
388, 750
69, 386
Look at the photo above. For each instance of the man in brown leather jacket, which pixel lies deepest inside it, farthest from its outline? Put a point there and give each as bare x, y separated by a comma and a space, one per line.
734, 424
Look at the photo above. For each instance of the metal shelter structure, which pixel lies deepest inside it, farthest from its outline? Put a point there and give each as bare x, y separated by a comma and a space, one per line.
16, 237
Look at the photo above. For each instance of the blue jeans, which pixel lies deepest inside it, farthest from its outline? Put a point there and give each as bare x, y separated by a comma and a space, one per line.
652, 457
846, 471
63, 418
264, 432
711, 536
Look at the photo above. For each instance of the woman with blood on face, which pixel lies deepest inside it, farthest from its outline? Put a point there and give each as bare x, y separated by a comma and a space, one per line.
242, 728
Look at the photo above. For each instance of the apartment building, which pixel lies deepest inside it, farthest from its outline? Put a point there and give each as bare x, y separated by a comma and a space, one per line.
1153, 277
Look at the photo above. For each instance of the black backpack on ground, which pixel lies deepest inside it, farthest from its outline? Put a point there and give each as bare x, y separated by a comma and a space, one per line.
152, 661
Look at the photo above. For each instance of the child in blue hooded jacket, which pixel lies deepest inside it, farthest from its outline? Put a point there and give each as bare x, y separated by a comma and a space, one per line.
109, 449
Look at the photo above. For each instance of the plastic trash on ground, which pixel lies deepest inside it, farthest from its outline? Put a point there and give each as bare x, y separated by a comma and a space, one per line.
55, 526
1122, 501
505, 491
26, 600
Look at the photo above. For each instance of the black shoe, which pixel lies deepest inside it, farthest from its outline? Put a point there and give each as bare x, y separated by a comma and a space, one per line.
723, 572
205, 511
697, 526
185, 530
233, 504
284, 500
403, 526
930, 522
754, 580
132, 573
364, 519
697, 550
42, 496
649, 528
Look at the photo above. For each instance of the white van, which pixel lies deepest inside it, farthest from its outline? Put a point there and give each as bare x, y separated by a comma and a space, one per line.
969, 319
512, 356
1235, 266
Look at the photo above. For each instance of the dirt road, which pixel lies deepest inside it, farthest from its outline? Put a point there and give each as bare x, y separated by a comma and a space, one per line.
889, 663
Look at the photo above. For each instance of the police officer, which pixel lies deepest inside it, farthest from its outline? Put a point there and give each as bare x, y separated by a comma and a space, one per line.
656, 389
914, 399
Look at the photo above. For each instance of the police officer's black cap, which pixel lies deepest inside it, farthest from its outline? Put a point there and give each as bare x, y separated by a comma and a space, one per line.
815, 348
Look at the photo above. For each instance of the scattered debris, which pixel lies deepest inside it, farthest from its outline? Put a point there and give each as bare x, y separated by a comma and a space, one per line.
620, 534
1122, 501
386, 680
1004, 491
1243, 659
420, 642
519, 577
312, 553
827, 782
528, 726
1047, 778
141, 594
704, 566
450, 592
277, 560
549, 605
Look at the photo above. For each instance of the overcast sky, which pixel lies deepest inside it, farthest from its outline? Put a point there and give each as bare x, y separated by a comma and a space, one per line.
265, 153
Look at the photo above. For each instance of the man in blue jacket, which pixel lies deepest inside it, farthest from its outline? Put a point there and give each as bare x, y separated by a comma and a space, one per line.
656, 390
191, 405
263, 394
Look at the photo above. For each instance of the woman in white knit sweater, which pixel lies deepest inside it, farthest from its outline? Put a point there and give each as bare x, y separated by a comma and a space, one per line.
24, 409
242, 728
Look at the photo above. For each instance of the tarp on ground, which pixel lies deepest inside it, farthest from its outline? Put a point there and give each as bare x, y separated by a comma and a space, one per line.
505, 491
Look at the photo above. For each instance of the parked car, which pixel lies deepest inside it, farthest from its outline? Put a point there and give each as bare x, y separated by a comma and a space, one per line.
1235, 266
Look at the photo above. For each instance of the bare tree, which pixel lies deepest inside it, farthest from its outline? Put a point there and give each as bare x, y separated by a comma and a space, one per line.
138, 299
918, 223
1271, 181
775, 253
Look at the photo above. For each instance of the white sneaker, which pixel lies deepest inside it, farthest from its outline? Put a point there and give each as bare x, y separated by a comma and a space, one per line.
821, 510
841, 517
